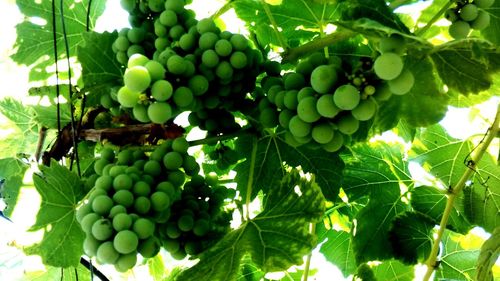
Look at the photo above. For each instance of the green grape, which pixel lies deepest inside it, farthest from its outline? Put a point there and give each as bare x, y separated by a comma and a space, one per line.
102, 204
144, 228
482, 21
126, 262
402, 84
268, 117
207, 41
303, 140
346, 97
89, 220
306, 110
317, 59
106, 253
192, 248
176, 177
294, 81
135, 49
160, 201
122, 221
176, 65
185, 223
137, 78
90, 245
124, 197
335, 144
187, 42
82, 211
298, 127
323, 78
141, 188
124, 157
152, 167
149, 247
326, 106
102, 229
122, 181
128, 5
179, 255
322, 133
137, 60
304, 67
468, 12
156, 5
156, 70
172, 160
104, 182
176, 32
451, 15
136, 35
365, 110
383, 92
284, 117
171, 245
183, 97
159, 112
223, 47
279, 99
96, 192
116, 170
224, 70
160, 44
180, 145
393, 44
140, 113
122, 43
161, 90
142, 205
239, 42
173, 231
238, 60
166, 187
348, 124
107, 154
175, 5
190, 165
206, 25
290, 99
484, 4
117, 209
125, 242
201, 227
388, 66
168, 18
127, 98
459, 29
209, 58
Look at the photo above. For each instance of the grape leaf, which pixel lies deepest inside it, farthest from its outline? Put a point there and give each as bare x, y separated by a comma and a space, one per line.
62, 243
490, 251
394, 270
12, 171
35, 39
492, 32
467, 67
45, 115
456, 262
411, 237
61, 274
157, 268
272, 151
431, 202
337, 249
100, 69
276, 238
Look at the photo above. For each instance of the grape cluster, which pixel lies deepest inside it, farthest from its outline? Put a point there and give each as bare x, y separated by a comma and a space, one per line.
187, 65
224, 156
133, 193
467, 15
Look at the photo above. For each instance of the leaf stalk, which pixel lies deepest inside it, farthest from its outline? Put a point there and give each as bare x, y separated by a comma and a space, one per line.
434, 19
250, 179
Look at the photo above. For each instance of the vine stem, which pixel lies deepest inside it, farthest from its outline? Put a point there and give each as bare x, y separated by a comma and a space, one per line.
250, 179
227, 6
453, 192
434, 19
270, 16
309, 257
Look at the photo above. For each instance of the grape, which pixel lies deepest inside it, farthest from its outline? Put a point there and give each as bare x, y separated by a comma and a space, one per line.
141, 188
176, 31
135, 49
298, 127
125, 242
459, 29
107, 154
348, 124
176, 177
126, 262
451, 15
106, 253
116, 170
180, 145
187, 42
198, 84
155, 69
223, 47
323, 78
128, 5
388, 66
122, 181
160, 44
122, 221
175, 5
82, 211
206, 25
304, 67
306, 110
326, 106
238, 60
185, 223
239, 42
483, 4
124, 157
294, 81
159, 112
469, 12
168, 18
173, 231
152, 167
209, 58
322, 133
89, 220
140, 113
268, 118
394, 44
102, 204
172, 160
117, 209
102, 229
365, 110
144, 228
207, 40
317, 59
161, 90
290, 99
402, 84
160, 201
122, 43
346, 97
335, 144
104, 182
136, 35
127, 98
284, 117
124, 197
176, 65
137, 60
183, 97
224, 70
482, 21
90, 245
149, 247
201, 227
137, 78
142, 205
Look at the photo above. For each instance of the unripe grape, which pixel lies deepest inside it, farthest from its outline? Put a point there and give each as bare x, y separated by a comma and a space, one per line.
348, 124
326, 106
469, 12
137, 78
88, 221
127, 98
298, 127
388, 66
290, 99
483, 4
322, 133
306, 110
122, 181
117, 209
149, 247
137, 60
142, 205
144, 228
206, 25
125, 242
365, 110
335, 144
284, 117
185, 223
159, 112
90, 245
323, 78
346, 97
294, 81
141, 188
394, 44
140, 113
122, 221
124, 197
161, 90
224, 70
176, 65
209, 58
207, 40
402, 84
172, 160
201, 227
102, 229
156, 70
126, 262
183, 97
106, 253
180, 145
482, 21
451, 15
135, 49
198, 85
127, 5
459, 29
268, 117
104, 182
122, 43
102, 204
173, 231
238, 60
223, 47
239, 42
187, 42
175, 5
136, 35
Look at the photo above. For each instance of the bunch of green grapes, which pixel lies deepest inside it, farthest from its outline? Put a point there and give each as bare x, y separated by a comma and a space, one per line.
467, 15
224, 156
198, 219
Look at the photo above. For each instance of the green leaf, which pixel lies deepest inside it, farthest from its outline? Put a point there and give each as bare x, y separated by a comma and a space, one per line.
249, 271
394, 271
276, 239
61, 274
411, 237
492, 32
337, 249
488, 256
431, 201
12, 171
100, 69
272, 151
457, 263
15, 111
35, 39
467, 67
62, 243
45, 115
157, 268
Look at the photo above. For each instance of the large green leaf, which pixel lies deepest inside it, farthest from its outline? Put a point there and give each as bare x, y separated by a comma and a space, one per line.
35, 40
338, 249
490, 251
492, 32
62, 243
273, 152
457, 263
394, 271
61, 274
12, 171
276, 239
